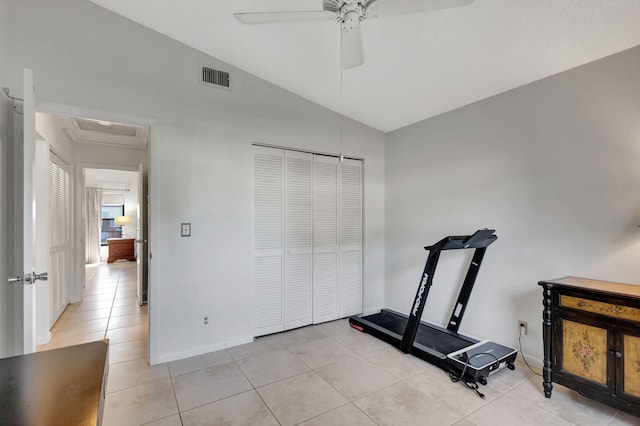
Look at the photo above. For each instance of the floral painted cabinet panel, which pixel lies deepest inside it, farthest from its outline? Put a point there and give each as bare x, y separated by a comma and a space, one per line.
631, 370
584, 351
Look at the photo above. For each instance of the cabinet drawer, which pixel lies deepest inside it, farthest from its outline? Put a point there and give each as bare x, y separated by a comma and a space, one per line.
602, 308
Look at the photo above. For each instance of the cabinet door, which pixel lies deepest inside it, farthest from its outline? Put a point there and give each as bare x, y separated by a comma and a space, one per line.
582, 352
628, 365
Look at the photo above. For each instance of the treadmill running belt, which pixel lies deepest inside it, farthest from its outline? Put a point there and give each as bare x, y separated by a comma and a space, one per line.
432, 338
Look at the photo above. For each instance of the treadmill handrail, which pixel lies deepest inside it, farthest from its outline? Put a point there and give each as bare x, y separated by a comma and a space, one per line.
479, 241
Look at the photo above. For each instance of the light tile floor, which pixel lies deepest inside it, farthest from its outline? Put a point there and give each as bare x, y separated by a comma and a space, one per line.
327, 374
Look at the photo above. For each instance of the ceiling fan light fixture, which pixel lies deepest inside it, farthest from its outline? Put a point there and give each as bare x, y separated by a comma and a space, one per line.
351, 21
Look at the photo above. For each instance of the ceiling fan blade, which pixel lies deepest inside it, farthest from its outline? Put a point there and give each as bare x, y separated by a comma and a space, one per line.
352, 48
403, 7
255, 18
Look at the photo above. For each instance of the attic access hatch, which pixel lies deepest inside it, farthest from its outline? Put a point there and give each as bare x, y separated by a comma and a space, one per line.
84, 130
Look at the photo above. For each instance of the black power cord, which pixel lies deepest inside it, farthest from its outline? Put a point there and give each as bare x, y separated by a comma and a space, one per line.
523, 358
471, 384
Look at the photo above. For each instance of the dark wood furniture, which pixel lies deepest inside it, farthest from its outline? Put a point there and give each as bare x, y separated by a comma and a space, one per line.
591, 333
58, 387
121, 248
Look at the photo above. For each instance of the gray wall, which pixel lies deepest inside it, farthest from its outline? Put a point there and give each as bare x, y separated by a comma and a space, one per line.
553, 166
201, 161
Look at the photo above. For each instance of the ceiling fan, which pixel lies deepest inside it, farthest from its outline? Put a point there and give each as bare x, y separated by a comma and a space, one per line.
349, 13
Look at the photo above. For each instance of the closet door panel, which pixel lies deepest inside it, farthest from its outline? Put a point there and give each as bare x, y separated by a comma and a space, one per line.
350, 237
298, 238
267, 294
325, 239
268, 240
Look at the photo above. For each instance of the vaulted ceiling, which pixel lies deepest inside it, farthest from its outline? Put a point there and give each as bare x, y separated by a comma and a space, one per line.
417, 66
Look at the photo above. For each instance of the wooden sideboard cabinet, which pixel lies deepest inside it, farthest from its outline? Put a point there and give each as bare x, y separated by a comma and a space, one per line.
65, 386
121, 248
591, 333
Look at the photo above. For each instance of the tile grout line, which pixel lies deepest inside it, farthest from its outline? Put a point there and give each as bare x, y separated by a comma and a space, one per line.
112, 302
253, 386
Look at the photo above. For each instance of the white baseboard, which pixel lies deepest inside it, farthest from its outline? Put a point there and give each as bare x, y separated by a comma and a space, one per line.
42, 339
203, 350
532, 360
371, 311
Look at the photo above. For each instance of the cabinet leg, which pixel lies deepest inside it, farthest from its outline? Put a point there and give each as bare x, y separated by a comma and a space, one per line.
547, 337
547, 388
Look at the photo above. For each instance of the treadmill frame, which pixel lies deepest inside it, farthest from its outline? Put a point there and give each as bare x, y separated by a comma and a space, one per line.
479, 241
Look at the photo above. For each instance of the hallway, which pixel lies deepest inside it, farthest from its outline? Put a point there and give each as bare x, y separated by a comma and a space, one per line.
109, 310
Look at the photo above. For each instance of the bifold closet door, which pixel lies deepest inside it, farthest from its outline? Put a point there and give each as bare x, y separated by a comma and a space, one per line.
325, 238
268, 240
298, 239
350, 292
307, 239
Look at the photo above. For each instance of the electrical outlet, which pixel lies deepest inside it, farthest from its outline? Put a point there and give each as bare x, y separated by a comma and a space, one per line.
522, 328
205, 321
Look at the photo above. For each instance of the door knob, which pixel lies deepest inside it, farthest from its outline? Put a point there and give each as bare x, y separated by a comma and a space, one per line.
14, 279
28, 278
42, 277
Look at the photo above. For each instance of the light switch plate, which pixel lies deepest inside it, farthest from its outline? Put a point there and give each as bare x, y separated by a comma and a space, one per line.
185, 229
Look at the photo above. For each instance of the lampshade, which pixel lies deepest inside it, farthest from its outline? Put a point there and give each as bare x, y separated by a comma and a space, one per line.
123, 220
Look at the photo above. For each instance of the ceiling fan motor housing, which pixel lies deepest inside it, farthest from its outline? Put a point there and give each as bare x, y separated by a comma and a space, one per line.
351, 13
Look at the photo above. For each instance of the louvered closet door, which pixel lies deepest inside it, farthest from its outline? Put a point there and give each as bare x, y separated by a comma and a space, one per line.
298, 239
325, 239
60, 236
268, 240
350, 292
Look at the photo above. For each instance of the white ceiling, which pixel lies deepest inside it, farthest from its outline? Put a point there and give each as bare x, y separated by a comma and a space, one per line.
111, 179
417, 66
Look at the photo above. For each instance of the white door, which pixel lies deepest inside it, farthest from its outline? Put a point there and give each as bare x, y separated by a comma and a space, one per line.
22, 222
325, 238
298, 237
141, 249
61, 252
268, 240
350, 293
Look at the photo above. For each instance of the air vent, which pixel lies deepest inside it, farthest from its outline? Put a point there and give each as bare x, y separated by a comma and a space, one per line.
216, 77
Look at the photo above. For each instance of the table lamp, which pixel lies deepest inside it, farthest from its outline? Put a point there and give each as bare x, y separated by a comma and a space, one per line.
121, 221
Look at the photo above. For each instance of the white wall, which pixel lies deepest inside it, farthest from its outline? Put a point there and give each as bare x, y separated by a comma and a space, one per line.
59, 142
4, 113
200, 168
553, 166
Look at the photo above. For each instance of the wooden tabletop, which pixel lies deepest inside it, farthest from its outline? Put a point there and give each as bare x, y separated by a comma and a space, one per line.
56, 387
606, 287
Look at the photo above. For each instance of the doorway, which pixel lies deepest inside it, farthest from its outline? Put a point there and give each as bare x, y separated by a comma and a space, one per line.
105, 300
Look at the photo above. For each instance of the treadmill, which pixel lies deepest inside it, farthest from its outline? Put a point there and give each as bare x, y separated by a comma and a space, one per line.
443, 347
